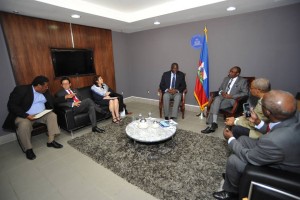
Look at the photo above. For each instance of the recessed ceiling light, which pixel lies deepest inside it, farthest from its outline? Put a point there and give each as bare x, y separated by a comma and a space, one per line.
159, 9
75, 16
231, 8
157, 22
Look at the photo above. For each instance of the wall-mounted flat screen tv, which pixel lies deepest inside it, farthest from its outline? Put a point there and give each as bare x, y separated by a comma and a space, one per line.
72, 62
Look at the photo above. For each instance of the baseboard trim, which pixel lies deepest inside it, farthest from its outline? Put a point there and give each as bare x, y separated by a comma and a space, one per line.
7, 138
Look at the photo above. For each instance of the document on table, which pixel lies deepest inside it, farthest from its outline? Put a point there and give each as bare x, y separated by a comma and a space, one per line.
41, 114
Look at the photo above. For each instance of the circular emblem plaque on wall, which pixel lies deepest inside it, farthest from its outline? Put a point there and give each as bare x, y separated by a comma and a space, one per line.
196, 41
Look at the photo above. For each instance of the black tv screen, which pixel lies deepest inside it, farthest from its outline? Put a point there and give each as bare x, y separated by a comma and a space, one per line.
72, 62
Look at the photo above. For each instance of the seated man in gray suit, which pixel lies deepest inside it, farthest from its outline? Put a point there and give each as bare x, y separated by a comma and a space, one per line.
70, 98
172, 85
232, 87
278, 148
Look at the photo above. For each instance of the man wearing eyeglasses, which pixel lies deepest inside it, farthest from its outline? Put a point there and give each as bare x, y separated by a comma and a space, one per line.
241, 125
71, 98
280, 148
24, 103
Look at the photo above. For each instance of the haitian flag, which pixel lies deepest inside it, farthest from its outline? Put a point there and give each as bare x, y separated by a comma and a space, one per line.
201, 91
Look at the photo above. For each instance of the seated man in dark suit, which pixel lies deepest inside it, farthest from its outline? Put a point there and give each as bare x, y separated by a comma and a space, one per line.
232, 87
24, 103
279, 148
172, 85
71, 98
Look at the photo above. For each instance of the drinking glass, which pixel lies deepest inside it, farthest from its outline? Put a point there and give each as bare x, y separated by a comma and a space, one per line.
149, 115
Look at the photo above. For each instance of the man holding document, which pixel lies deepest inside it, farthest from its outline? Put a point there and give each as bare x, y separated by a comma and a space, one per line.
28, 104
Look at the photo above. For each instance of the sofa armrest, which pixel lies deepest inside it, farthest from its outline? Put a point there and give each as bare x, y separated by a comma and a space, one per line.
65, 117
275, 178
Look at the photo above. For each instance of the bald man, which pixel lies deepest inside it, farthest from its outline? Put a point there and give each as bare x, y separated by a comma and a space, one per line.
278, 148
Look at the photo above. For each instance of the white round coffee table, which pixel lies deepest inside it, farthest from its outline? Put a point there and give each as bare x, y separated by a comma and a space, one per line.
149, 133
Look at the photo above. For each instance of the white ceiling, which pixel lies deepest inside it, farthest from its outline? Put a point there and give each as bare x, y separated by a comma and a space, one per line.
135, 15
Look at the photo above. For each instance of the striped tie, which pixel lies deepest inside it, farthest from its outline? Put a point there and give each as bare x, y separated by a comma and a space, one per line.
228, 86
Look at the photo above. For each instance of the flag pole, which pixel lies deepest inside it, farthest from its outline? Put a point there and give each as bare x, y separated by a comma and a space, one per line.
201, 91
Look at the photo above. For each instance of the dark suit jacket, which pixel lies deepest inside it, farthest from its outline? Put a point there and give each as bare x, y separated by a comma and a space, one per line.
165, 82
20, 101
280, 148
60, 98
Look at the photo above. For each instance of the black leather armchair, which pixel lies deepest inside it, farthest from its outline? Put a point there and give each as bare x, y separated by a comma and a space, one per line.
259, 183
70, 122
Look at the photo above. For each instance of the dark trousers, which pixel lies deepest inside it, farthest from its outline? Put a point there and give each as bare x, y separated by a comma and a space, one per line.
238, 131
88, 106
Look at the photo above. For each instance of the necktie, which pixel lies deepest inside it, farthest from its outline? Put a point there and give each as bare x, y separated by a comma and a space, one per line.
173, 82
268, 128
228, 85
75, 99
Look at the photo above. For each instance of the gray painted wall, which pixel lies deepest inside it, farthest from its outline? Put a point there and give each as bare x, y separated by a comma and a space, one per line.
264, 44
7, 80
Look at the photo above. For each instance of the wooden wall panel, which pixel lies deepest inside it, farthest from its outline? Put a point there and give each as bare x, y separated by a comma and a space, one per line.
29, 41
101, 41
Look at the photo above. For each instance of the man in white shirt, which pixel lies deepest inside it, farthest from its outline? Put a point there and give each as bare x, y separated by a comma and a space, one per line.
232, 87
172, 85
279, 148
71, 98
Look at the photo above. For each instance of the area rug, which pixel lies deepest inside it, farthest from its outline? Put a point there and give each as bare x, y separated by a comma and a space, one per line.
189, 166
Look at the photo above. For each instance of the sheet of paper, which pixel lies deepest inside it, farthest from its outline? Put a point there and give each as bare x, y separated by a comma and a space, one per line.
172, 122
42, 113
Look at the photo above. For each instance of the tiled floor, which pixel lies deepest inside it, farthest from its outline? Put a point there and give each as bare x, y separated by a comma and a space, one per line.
66, 174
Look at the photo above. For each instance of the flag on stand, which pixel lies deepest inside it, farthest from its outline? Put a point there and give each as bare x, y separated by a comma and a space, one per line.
201, 91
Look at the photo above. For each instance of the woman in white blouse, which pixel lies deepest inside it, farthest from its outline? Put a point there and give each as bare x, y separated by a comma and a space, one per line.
102, 95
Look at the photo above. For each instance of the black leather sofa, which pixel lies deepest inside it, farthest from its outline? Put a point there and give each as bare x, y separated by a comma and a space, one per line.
69, 122
269, 183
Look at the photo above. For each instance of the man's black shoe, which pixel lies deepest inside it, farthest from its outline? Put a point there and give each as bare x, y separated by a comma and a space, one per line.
207, 130
54, 144
214, 126
223, 195
30, 155
174, 118
98, 130
166, 118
